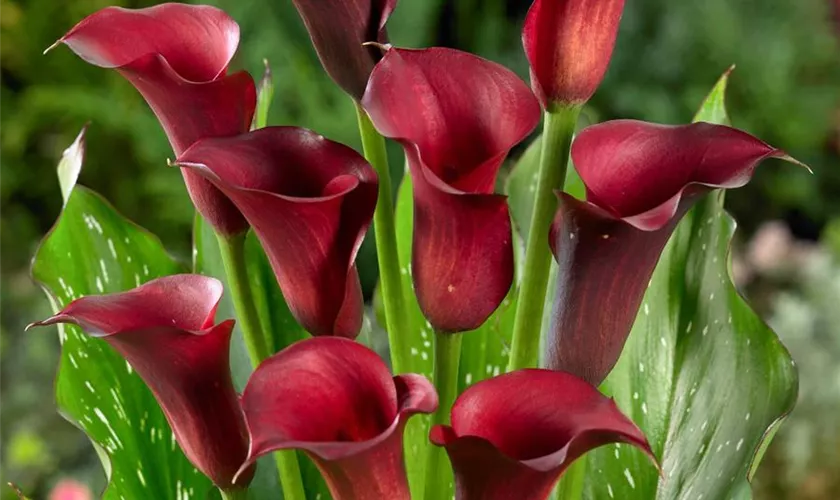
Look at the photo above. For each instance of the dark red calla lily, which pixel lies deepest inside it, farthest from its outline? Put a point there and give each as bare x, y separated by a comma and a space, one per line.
176, 56
640, 179
457, 116
165, 330
310, 201
512, 436
569, 44
335, 400
338, 29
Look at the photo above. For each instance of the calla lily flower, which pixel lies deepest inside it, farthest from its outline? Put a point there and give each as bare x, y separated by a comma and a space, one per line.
569, 44
512, 436
338, 29
457, 116
310, 201
165, 330
640, 180
176, 56
335, 400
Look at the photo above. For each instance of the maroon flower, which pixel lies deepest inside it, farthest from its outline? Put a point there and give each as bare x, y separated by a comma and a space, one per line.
338, 29
640, 179
569, 44
176, 56
335, 400
457, 116
165, 330
310, 201
512, 436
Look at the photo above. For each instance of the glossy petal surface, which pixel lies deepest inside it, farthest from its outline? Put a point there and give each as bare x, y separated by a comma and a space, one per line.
639, 171
335, 400
310, 201
176, 55
569, 44
457, 116
338, 28
512, 436
165, 330
640, 179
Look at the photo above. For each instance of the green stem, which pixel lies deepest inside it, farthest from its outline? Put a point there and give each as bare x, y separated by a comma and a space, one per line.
570, 486
554, 157
393, 296
234, 494
233, 258
447, 355
259, 343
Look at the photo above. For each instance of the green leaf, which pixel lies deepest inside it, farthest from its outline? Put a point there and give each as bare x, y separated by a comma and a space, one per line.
276, 319
93, 250
265, 94
485, 351
701, 374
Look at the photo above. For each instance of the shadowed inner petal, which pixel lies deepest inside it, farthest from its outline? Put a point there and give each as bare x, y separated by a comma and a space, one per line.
529, 413
323, 390
521, 432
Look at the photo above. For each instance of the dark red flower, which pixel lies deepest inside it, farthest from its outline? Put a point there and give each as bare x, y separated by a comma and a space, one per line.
457, 116
310, 201
569, 44
176, 56
640, 179
338, 29
165, 330
335, 400
512, 436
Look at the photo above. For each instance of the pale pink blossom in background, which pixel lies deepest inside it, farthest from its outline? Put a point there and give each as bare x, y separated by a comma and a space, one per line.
70, 489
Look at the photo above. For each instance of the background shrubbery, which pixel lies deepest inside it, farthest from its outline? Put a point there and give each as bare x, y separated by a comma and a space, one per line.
786, 90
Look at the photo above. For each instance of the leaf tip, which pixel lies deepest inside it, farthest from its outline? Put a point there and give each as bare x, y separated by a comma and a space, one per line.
54, 45
70, 164
728, 71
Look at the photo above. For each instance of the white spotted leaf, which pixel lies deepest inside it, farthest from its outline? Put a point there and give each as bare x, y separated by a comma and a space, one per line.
93, 250
701, 374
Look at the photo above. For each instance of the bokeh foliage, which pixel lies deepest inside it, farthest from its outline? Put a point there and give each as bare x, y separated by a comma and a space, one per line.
786, 90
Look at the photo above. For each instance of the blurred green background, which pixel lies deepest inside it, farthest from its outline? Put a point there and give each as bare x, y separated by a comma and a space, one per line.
786, 90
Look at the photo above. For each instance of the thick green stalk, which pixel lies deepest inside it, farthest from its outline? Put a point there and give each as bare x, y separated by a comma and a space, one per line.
570, 486
447, 355
559, 127
234, 494
393, 297
260, 346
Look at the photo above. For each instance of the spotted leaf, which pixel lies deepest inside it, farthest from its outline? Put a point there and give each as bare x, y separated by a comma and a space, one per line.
93, 250
701, 374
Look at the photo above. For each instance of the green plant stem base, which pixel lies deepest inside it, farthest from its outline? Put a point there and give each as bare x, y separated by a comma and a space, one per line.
447, 356
259, 343
554, 157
